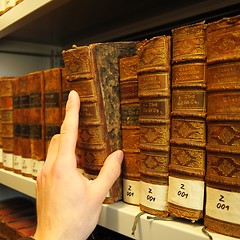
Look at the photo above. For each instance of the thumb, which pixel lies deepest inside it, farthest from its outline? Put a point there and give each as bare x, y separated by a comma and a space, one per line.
109, 173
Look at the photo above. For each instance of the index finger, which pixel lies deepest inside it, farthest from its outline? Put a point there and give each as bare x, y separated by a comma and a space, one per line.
69, 128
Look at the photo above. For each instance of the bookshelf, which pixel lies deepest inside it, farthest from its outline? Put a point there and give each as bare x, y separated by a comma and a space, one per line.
59, 24
120, 216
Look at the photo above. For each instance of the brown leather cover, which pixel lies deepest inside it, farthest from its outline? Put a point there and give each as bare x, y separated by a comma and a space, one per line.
53, 103
154, 114
36, 118
7, 120
25, 124
188, 115
130, 116
94, 73
223, 120
17, 150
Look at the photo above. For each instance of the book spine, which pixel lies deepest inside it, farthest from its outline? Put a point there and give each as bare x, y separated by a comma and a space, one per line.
17, 151
1, 149
223, 146
36, 119
7, 121
94, 73
154, 119
25, 126
130, 129
188, 122
52, 103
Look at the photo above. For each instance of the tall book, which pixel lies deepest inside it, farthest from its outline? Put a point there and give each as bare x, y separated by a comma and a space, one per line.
27, 163
17, 150
94, 73
188, 122
36, 120
130, 128
154, 119
6, 96
223, 123
53, 103
1, 150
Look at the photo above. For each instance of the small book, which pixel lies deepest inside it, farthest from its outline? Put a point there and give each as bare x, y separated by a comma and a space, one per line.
17, 150
93, 71
36, 120
6, 95
52, 103
27, 163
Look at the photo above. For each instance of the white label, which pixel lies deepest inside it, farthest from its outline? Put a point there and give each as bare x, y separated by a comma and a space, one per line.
27, 164
153, 196
131, 191
17, 162
37, 167
223, 205
186, 193
1, 155
7, 160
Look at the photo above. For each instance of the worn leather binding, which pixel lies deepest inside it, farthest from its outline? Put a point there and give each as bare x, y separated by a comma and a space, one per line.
17, 149
1, 150
52, 103
188, 122
223, 122
94, 73
154, 119
36, 119
7, 121
130, 128
27, 162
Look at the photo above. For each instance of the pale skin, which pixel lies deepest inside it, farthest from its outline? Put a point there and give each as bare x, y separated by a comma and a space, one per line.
68, 204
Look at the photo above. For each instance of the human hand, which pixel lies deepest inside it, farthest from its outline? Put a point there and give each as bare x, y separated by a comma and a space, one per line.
68, 204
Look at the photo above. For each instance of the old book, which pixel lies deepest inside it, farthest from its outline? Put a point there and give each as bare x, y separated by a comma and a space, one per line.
1, 150
94, 73
53, 103
65, 92
6, 96
27, 162
36, 120
17, 149
188, 122
223, 124
130, 128
154, 119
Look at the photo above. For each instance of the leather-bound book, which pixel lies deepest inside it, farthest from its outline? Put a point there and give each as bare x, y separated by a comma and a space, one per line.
36, 119
154, 119
223, 124
27, 163
17, 149
94, 73
65, 92
130, 129
6, 96
53, 103
1, 150
188, 122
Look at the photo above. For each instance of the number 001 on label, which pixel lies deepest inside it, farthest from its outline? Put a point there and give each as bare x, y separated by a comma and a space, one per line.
223, 205
153, 196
